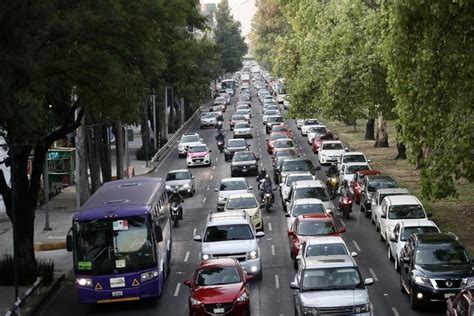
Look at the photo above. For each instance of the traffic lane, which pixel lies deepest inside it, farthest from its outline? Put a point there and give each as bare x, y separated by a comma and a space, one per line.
361, 236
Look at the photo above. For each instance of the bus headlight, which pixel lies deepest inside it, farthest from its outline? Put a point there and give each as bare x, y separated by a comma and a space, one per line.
84, 282
205, 257
149, 275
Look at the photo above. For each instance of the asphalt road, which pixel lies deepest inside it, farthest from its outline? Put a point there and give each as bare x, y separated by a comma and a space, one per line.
271, 295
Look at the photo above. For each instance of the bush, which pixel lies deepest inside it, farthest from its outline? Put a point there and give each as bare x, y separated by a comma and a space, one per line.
44, 268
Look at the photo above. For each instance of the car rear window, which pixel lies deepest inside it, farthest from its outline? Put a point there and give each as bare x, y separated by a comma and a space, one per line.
228, 232
406, 212
190, 139
233, 185
311, 193
441, 255
332, 146
236, 143
316, 228
297, 165
408, 231
178, 176
217, 275
244, 156
241, 203
302, 209
326, 250
354, 158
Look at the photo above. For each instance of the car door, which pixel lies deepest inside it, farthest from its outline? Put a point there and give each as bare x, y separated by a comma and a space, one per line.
382, 220
298, 305
405, 267
375, 214
393, 244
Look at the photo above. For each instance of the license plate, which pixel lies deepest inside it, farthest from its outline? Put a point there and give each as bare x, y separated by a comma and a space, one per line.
244, 170
219, 310
117, 282
198, 160
448, 295
117, 293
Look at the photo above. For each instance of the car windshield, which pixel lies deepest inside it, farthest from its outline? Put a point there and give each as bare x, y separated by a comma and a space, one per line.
441, 255
278, 128
406, 212
228, 232
311, 122
190, 139
270, 112
238, 118
233, 185
297, 165
311, 193
217, 276
106, 245
354, 158
316, 228
318, 129
242, 125
244, 156
332, 146
354, 169
243, 111
236, 143
331, 278
197, 149
285, 152
273, 119
284, 144
302, 209
408, 231
241, 203
207, 115
275, 136
385, 183
291, 179
182, 175
326, 250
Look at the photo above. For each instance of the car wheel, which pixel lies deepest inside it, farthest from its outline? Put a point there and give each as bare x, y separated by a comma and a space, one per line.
377, 227
389, 254
259, 275
414, 304
367, 214
396, 265
192, 192
232, 174
381, 237
402, 288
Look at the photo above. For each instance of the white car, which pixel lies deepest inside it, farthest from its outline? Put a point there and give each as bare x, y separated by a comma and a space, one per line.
324, 246
289, 179
230, 91
302, 207
351, 156
305, 189
245, 113
242, 129
402, 231
267, 114
349, 169
399, 208
307, 124
230, 186
198, 155
330, 151
220, 100
317, 129
379, 195
299, 123
246, 202
242, 107
208, 119
188, 139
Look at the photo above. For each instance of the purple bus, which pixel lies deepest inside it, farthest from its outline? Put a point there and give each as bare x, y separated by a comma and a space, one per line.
121, 242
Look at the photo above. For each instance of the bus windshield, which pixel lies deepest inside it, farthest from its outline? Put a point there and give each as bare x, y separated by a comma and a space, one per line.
105, 246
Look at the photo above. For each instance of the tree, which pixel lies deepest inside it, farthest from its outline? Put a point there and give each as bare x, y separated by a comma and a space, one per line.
229, 38
428, 48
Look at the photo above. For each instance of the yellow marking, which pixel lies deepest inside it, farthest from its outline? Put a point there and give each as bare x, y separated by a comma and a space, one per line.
135, 282
113, 300
98, 286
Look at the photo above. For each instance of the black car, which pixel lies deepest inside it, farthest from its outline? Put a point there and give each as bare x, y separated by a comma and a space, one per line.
370, 185
273, 120
244, 163
234, 145
293, 165
433, 267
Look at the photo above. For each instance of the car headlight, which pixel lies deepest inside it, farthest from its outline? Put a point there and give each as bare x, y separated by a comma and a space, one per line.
84, 282
253, 254
364, 308
333, 181
205, 256
168, 188
423, 281
149, 275
195, 302
186, 186
309, 311
221, 199
243, 297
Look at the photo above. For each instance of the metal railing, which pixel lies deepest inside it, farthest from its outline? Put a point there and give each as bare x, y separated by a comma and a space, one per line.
15, 309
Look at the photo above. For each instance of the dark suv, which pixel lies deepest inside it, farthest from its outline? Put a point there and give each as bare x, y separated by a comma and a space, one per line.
370, 184
433, 267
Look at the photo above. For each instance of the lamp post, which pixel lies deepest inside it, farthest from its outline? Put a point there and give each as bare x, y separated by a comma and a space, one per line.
13, 211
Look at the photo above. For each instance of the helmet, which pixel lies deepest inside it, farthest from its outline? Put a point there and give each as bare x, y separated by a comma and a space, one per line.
267, 176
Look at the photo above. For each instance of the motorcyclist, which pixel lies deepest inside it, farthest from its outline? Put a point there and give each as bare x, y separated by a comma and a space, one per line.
266, 186
176, 197
261, 175
344, 189
332, 171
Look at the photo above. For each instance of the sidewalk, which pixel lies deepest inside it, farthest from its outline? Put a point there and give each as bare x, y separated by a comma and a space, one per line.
50, 245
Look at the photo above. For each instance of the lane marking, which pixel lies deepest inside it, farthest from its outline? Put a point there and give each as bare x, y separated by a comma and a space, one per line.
270, 226
277, 281
176, 292
186, 257
342, 222
373, 274
356, 245
395, 311
213, 167
273, 250
194, 231
204, 200
212, 176
217, 159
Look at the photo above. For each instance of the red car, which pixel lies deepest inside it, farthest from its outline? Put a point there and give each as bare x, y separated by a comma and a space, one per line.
356, 183
272, 138
219, 286
311, 225
282, 128
316, 142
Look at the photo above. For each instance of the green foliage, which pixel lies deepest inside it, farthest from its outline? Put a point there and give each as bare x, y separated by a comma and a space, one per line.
229, 39
45, 269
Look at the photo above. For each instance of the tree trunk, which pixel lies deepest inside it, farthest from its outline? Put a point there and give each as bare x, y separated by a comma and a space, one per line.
171, 125
382, 135
119, 148
95, 143
401, 151
82, 184
105, 160
369, 129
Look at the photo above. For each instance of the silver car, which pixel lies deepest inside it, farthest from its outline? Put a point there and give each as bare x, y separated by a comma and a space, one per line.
181, 180
230, 186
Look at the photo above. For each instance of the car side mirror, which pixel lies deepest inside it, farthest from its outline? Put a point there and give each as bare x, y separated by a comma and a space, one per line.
216, 189
341, 230
354, 254
69, 242
299, 257
369, 160
369, 281
259, 234
197, 238
262, 205
178, 141
201, 139
182, 201
287, 214
281, 184
193, 177
346, 148
294, 285
210, 150
187, 283
257, 158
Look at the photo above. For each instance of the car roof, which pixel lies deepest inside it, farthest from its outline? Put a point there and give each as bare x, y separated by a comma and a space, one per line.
350, 164
305, 173
240, 196
402, 199
335, 261
297, 159
234, 179
283, 139
308, 183
332, 142
198, 145
221, 262
316, 240
228, 217
308, 201
416, 223
379, 177
436, 238
353, 153
178, 170
394, 191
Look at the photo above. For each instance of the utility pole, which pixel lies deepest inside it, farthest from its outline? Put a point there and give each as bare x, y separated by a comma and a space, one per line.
155, 129
119, 149
46, 193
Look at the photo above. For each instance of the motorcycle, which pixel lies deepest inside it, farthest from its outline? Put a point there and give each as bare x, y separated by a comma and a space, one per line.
219, 125
332, 184
220, 145
176, 213
345, 204
267, 201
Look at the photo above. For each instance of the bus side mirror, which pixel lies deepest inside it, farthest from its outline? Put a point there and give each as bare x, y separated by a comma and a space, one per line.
69, 242
158, 234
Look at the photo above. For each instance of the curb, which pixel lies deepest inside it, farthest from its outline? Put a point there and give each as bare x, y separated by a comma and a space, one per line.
50, 246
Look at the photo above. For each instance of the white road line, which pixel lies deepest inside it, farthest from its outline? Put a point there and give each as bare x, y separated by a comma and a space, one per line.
212, 176
277, 281
342, 222
204, 200
373, 274
273, 250
213, 167
270, 226
356, 245
395, 311
176, 292
194, 231
186, 257
304, 154
217, 158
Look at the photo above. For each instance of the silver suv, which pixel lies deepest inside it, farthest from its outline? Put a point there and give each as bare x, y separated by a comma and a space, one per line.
232, 234
330, 285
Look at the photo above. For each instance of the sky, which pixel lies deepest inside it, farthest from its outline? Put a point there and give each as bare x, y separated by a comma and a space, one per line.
242, 10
